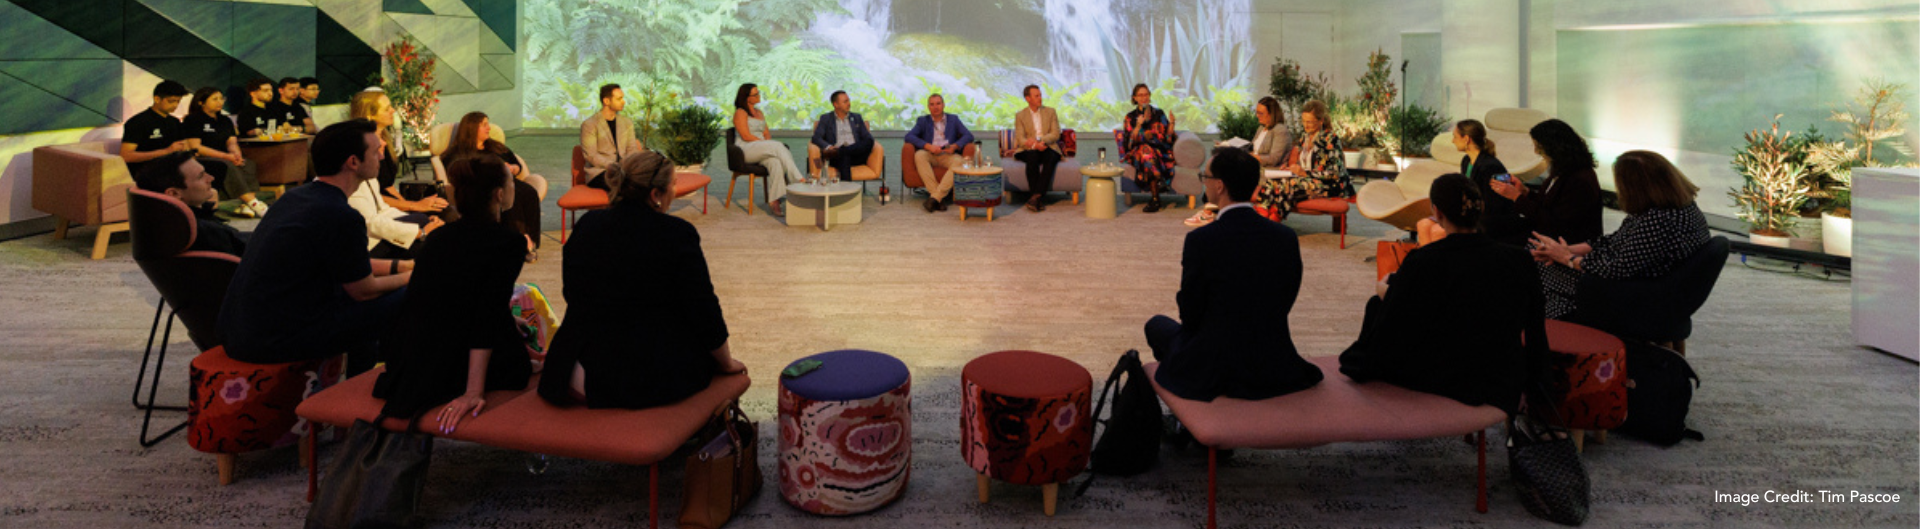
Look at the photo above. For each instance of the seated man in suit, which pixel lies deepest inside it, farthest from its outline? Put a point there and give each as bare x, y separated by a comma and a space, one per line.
939, 139
179, 176
1233, 339
1036, 142
842, 136
607, 137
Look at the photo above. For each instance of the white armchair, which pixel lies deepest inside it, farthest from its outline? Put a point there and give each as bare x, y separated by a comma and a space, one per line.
441, 135
1403, 202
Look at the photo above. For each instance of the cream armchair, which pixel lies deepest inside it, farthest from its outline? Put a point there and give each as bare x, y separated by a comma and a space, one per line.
874, 170
441, 135
1403, 201
83, 183
1513, 145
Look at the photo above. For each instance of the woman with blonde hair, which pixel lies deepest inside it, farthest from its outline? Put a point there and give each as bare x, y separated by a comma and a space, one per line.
393, 223
1317, 165
373, 105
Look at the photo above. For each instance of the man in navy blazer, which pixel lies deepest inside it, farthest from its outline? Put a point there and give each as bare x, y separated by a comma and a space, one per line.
938, 138
1239, 277
842, 136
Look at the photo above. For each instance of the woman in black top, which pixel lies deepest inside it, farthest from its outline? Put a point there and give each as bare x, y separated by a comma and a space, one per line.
1481, 165
219, 145
470, 138
456, 337
1450, 321
643, 327
1570, 207
1663, 227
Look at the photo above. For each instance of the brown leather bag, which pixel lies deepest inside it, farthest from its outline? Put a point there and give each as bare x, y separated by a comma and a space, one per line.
724, 474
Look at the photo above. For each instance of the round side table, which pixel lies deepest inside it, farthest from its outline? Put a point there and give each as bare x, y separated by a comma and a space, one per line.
1100, 189
823, 204
978, 186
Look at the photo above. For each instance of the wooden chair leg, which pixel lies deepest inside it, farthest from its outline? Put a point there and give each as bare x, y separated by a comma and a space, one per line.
1600, 436
1050, 496
226, 462
982, 482
1579, 441
1190, 201
105, 234
1076, 198
730, 184
60, 228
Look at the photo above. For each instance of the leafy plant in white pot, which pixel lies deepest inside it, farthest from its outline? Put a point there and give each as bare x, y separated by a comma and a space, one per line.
1773, 190
1878, 115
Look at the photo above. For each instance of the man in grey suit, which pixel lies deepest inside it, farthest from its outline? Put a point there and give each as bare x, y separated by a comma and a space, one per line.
607, 137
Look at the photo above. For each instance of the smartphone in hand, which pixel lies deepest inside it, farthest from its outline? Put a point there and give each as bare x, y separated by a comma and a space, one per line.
1504, 177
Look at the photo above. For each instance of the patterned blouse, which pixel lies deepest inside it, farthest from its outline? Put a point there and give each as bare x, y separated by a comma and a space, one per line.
1148, 148
1321, 158
1646, 245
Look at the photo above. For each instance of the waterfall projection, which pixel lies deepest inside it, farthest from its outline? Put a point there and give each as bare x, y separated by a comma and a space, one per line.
889, 54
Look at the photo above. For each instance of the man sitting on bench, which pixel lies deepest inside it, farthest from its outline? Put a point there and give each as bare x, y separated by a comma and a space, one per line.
1238, 280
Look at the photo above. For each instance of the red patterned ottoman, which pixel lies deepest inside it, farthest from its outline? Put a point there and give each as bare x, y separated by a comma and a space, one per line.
235, 407
846, 433
1594, 393
1026, 418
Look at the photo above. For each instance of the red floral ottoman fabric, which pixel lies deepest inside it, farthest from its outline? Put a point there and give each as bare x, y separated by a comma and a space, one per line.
236, 407
846, 433
1593, 396
1025, 417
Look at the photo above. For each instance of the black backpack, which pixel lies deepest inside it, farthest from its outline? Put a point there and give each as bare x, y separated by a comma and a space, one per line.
1660, 388
1130, 442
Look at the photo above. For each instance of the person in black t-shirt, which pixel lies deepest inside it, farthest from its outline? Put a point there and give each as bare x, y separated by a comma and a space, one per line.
178, 175
306, 289
309, 94
257, 116
155, 132
219, 149
294, 113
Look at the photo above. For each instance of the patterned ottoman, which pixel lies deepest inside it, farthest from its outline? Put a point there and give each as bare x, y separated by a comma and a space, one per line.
1594, 393
236, 407
846, 433
1026, 418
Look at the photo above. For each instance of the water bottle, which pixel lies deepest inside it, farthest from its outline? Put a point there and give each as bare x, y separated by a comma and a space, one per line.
883, 193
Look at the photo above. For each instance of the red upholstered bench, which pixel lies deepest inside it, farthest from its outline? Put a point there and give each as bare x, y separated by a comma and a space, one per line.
1337, 410
521, 420
1333, 206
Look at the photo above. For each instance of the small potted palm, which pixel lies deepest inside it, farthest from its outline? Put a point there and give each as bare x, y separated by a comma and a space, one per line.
687, 135
1774, 187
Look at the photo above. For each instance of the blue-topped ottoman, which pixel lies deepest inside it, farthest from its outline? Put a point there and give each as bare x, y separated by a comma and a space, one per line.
846, 433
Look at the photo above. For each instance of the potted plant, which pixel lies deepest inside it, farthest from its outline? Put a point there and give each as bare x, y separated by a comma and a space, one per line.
410, 89
1376, 102
1410, 131
1773, 190
1293, 89
687, 135
1880, 116
1351, 121
1237, 123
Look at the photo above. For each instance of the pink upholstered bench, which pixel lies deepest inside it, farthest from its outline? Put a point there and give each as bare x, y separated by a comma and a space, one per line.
521, 420
1337, 410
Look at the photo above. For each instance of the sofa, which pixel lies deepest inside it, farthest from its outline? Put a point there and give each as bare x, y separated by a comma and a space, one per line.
1066, 176
83, 184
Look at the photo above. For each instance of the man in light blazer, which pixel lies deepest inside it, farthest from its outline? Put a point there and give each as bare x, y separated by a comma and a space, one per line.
939, 139
842, 136
1036, 142
607, 137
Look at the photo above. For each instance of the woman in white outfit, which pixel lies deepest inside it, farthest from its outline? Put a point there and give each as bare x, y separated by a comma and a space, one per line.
761, 148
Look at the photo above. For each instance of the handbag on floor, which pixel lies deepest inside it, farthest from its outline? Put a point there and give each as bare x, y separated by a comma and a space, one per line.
1547, 472
376, 481
724, 474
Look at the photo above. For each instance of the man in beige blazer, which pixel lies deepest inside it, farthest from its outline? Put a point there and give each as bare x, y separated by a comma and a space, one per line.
607, 136
1036, 142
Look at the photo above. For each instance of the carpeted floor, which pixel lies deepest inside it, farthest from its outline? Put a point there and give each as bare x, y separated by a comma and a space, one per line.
1786, 403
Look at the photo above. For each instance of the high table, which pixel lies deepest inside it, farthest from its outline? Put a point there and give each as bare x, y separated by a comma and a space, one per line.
824, 204
1100, 189
283, 161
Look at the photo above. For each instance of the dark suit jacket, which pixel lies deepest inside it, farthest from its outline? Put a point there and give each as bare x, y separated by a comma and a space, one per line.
1569, 208
1238, 280
642, 317
922, 133
1500, 221
826, 131
1452, 323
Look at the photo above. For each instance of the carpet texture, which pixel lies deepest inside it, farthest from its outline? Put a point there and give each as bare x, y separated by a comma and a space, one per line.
1787, 403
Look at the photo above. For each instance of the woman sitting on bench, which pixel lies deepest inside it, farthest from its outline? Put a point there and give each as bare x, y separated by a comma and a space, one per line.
456, 338
1450, 321
643, 327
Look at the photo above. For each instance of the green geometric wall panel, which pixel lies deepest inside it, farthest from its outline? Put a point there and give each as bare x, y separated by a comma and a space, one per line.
503, 17
408, 6
451, 8
497, 73
90, 84
156, 36
99, 22
210, 20
277, 40
451, 82
25, 36
454, 41
49, 111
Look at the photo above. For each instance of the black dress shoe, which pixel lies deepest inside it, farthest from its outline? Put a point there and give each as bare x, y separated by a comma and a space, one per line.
930, 205
1153, 206
1034, 205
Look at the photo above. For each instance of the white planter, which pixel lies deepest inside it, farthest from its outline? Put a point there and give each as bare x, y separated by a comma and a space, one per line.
1768, 240
1352, 158
1836, 235
1808, 237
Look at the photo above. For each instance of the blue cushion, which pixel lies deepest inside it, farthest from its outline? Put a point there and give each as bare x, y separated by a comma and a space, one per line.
848, 374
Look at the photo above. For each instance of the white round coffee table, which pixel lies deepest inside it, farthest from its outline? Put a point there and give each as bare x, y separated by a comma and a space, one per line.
1100, 189
823, 205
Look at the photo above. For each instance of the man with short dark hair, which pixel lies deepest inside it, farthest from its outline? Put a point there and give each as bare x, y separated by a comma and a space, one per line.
607, 136
309, 94
154, 132
1036, 142
306, 289
290, 109
179, 176
257, 114
842, 136
938, 139
1233, 339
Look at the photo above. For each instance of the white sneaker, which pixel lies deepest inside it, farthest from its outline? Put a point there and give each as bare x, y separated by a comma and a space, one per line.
241, 211
256, 207
1204, 217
